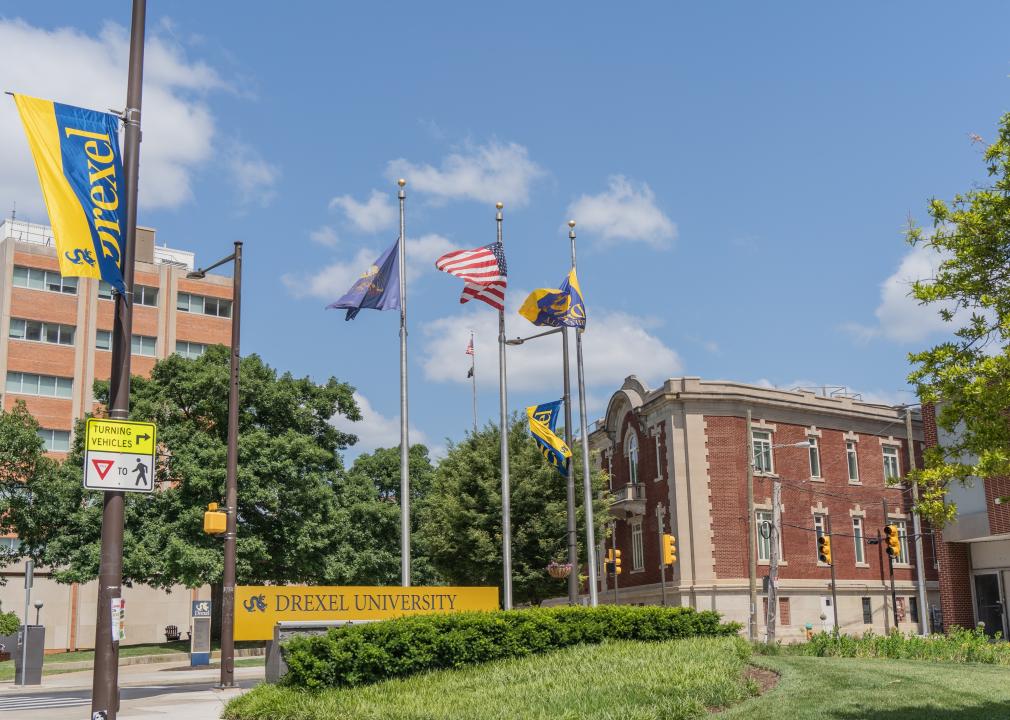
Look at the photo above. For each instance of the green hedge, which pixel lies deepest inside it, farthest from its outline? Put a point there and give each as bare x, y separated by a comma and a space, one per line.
360, 654
959, 646
9, 623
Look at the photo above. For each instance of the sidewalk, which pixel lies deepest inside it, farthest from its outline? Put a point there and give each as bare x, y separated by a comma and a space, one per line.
178, 673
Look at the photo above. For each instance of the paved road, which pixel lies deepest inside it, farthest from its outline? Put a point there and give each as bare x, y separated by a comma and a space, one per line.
82, 698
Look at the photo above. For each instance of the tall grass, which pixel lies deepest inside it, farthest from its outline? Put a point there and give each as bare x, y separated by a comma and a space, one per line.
958, 646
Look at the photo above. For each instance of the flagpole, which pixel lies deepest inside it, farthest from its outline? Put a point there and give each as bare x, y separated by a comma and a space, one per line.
404, 439
473, 380
573, 547
587, 483
506, 521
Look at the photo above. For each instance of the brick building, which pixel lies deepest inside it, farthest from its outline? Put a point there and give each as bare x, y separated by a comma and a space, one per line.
974, 549
680, 452
56, 342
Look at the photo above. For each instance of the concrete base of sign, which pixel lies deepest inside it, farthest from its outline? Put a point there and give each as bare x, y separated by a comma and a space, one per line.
276, 668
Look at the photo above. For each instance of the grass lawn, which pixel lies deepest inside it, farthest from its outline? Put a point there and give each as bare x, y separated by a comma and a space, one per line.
813, 688
614, 681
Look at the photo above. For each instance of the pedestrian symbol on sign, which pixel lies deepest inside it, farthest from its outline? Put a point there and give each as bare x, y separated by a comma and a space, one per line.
141, 470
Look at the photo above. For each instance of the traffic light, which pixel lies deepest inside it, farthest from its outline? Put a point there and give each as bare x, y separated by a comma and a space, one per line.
617, 562
893, 541
824, 549
215, 522
669, 549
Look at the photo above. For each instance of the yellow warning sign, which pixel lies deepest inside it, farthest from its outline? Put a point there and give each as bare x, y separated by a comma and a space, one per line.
120, 436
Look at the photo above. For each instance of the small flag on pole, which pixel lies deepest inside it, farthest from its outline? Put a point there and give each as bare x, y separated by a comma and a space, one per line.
378, 288
469, 347
543, 420
483, 270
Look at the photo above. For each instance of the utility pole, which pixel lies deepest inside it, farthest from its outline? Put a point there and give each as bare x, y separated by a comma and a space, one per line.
773, 567
659, 536
751, 532
834, 579
105, 680
920, 572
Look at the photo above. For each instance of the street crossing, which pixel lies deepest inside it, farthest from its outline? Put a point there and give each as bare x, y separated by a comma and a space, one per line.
40, 701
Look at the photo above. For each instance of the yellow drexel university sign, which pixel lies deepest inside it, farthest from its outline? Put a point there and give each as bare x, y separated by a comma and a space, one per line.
259, 608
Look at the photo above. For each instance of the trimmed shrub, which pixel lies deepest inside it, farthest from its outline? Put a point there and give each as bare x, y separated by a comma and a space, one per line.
958, 646
9, 623
360, 654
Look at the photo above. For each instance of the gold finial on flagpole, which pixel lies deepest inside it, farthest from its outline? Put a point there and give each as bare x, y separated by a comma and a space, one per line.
499, 205
401, 182
571, 223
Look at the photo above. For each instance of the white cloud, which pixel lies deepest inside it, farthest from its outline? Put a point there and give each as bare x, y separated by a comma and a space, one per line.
333, 280
376, 213
486, 173
254, 177
324, 235
374, 430
624, 212
900, 317
70, 66
616, 344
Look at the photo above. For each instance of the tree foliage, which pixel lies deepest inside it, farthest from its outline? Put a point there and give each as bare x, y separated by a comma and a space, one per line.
461, 519
968, 377
290, 526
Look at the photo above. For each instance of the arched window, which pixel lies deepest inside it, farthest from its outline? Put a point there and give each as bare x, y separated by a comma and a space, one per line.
631, 450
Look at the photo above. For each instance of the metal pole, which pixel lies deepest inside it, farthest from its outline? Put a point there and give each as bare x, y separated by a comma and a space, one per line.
890, 565
834, 579
404, 433
662, 560
228, 580
587, 475
920, 572
573, 548
29, 578
473, 380
506, 510
751, 532
773, 567
105, 679
880, 549
613, 538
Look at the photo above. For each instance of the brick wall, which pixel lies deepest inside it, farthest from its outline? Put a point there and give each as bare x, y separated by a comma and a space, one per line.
955, 583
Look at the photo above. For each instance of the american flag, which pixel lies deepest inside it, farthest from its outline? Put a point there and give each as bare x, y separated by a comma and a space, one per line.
483, 270
469, 347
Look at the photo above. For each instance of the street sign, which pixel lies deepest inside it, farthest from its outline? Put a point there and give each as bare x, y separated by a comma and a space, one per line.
119, 455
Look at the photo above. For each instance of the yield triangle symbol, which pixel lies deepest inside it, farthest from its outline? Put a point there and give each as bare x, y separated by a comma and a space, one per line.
103, 467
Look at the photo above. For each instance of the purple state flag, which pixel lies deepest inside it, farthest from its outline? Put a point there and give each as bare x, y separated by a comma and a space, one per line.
378, 288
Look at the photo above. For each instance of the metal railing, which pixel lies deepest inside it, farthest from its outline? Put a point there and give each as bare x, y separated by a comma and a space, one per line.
632, 492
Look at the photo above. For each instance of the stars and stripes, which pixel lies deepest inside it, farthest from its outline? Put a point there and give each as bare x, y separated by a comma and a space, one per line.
469, 346
483, 270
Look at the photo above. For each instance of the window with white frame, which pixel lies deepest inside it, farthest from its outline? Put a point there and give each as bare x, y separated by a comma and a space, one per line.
631, 449
190, 350
852, 460
762, 442
819, 532
39, 279
144, 345
903, 542
38, 331
815, 457
55, 440
764, 529
9, 544
142, 294
637, 549
857, 539
892, 465
200, 304
42, 385
103, 340
104, 290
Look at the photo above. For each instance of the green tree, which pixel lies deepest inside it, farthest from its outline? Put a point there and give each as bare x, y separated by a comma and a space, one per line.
461, 518
369, 496
290, 529
968, 376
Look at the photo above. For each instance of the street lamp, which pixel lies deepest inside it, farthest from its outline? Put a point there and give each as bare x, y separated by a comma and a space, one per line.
231, 483
38, 610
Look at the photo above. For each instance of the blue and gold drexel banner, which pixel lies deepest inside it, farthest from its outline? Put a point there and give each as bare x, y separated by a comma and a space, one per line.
543, 420
76, 154
563, 306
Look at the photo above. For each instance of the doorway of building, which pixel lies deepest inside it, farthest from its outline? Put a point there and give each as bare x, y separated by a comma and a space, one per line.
989, 603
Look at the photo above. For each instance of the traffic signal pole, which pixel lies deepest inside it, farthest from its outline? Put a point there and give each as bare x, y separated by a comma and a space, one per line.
662, 560
751, 534
834, 579
890, 565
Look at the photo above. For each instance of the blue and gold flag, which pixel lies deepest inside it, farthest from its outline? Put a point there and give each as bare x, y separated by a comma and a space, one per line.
543, 420
76, 154
378, 288
563, 306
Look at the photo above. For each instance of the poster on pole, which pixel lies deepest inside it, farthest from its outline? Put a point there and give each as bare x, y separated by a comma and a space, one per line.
119, 455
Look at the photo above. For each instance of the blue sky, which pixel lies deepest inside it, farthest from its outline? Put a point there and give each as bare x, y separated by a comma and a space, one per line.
741, 175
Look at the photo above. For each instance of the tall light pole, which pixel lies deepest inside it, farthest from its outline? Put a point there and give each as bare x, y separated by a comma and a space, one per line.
231, 481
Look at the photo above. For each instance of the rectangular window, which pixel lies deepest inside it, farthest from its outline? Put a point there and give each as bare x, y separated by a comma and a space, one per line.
104, 290
144, 345
103, 340
853, 461
190, 350
892, 467
763, 527
39, 331
762, 441
39, 279
815, 457
913, 609
10, 544
55, 440
188, 302
637, 551
867, 611
857, 539
818, 534
43, 385
903, 537
145, 295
